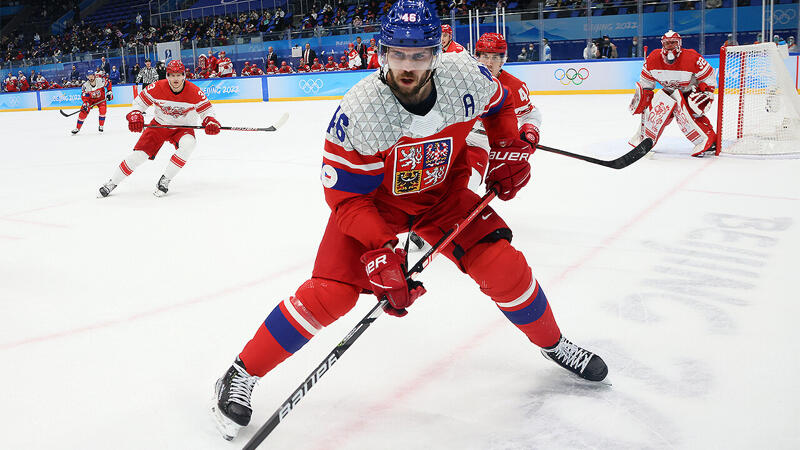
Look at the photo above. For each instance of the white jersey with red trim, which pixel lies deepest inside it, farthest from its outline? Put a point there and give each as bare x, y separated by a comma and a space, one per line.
92, 92
353, 59
187, 107
688, 70
225, 67
377, 146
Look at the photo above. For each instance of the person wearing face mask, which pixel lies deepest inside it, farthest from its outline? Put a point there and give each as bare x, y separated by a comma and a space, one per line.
687, 94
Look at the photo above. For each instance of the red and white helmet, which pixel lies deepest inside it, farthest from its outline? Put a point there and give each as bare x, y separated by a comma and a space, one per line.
221, 53
247, 63
351, 46
670, 46
175, 66
447, 29
316, 60
343, 58
491, 43
330, 58
283, 63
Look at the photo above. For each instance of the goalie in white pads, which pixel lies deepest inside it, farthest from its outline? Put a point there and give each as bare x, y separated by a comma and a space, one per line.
687, 94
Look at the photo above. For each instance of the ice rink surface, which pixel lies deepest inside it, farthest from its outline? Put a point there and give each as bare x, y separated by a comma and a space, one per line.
120, 313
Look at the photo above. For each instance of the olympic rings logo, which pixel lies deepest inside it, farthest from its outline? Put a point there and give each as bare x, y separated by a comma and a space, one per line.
783, 16
571, 75
310, 86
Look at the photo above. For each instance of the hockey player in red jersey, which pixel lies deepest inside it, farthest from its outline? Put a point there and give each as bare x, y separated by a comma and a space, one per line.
246, 69
317, 67
331, 65
212, 62
343, 65
175, 102
353, 58
394, 158
271, 68
491, 50
11, 85
687, 94
285, 68
95, 92
303, 68
372, 55
225, 66
255, 70
448, 44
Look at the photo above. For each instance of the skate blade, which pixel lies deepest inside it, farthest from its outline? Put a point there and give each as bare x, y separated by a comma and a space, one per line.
158, 193
228, 428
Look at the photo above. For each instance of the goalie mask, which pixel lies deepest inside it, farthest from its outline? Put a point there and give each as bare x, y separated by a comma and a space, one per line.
670, 46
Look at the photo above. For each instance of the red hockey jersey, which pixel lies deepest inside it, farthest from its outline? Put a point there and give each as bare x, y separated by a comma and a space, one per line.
689, 69
182, 108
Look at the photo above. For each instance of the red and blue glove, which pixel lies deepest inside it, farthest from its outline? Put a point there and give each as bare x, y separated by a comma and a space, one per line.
386, 272
85, 107
135, 121
509, 169
529, 133
211, 126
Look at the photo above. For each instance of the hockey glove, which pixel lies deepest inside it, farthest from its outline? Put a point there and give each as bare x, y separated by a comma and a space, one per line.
109, 97
386, 272
700, 99
211, 126
135, 121
85, 108
641, 99
529, 133
509, 169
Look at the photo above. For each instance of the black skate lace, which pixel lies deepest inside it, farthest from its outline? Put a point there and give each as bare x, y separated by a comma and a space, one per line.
571, 355
241, 387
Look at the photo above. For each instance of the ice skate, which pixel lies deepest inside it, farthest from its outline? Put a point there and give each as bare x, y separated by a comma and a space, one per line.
582, 363
418, 241
106, 189
100, 128
710, 151
162, 187
75, 131
231, 409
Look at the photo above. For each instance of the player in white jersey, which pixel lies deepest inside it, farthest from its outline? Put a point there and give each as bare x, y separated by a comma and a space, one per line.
175, 102
395, 157
688, 93
95, 92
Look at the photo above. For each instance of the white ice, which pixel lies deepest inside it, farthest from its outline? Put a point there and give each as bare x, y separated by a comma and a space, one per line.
119, 314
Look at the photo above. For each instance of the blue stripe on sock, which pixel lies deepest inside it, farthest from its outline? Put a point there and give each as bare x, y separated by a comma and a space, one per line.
282, 330
530, 313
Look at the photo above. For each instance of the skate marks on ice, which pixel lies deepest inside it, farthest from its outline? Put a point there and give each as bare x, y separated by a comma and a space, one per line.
710, 272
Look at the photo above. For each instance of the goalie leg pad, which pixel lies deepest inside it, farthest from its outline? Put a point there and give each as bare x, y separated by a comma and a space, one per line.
503, 274
697, 129
656, 117
291, 324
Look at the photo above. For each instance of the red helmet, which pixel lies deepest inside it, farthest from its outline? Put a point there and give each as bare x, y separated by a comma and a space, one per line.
491, 43
330, 58
247, 63
176, 66
372, 41
670, 46
222, 52
350, 45
343, 58
283, 63
447, 29
316, 60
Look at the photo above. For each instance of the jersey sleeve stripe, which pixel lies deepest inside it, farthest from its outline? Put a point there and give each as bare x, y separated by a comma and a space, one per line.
365, 167
354, 183
203, 106
497, 106
146, 99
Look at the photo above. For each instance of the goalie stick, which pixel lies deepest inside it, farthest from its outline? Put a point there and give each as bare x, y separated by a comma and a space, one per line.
79, 110
274, 127
623, 161
325, 366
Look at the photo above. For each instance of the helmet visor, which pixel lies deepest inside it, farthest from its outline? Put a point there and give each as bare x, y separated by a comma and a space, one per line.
409, 58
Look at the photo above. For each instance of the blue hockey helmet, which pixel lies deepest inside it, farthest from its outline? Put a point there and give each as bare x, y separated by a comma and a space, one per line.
410, 23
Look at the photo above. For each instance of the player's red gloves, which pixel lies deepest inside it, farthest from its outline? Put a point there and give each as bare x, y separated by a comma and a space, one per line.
387, 275
135, 121
211, 125
529, 133
509, 169
641, 99
85, 108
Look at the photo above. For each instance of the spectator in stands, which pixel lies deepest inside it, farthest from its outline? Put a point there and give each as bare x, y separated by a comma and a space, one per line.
607, 49
730, 41
546, 54
138, 20
523, 55
792, 46
74, 75
713, 3
272, 56
161, 70
114, 76
532, 52
759, 39
104, 65
135, 71
635, 51
357, 23
308, 55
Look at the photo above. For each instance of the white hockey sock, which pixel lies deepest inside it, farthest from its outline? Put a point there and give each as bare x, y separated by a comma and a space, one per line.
185, 148
128, 165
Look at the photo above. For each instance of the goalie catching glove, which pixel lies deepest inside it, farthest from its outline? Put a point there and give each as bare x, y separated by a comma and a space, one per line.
386, 272
509, 169
700, 99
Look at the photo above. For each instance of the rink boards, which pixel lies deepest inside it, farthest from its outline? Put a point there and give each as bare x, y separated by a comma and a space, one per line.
558, 78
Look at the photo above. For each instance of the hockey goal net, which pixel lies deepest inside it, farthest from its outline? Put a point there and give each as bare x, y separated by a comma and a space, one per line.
759, 108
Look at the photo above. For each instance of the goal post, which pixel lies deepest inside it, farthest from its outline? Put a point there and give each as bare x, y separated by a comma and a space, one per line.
758, 112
